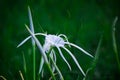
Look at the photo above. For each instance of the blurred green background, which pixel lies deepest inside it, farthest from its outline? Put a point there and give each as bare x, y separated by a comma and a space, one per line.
82, 21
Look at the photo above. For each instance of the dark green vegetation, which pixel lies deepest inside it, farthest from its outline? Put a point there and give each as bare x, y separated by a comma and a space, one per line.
82, 21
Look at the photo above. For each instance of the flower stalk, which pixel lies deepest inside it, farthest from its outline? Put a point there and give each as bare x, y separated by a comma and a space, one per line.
33, 43
41, 51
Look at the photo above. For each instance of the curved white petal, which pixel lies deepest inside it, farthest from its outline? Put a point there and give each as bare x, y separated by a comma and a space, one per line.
26, 39
64, 37
42, 73
79, 49
59, 72
63, 57
54, 55
74, 60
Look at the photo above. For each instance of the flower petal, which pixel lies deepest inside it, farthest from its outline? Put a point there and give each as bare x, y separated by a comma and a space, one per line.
24, 41
79, 49
29, 38
63, 57
59, 72
64, 37
54, 55
74, 60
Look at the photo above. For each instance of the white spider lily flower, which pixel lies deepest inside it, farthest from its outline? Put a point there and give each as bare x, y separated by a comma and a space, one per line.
53, 40
58, 42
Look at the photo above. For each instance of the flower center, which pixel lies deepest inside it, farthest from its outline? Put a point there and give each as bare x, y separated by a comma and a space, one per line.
53, 40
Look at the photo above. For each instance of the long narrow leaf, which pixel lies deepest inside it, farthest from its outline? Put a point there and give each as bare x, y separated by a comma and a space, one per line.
31, 24
24, 65
38, 45
41, 65
115, 43
97, 53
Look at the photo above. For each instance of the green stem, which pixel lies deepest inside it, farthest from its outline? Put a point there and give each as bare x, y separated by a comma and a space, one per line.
48, 65
21, 75
25, 67
34, 65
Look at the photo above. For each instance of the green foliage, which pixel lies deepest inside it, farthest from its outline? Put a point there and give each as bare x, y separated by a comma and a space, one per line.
83, 21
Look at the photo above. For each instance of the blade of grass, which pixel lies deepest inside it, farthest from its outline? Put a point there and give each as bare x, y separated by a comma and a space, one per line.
21, 75
95, 58
41, 65
114, 42
24, 65
33, 43
3, 77
97, 52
